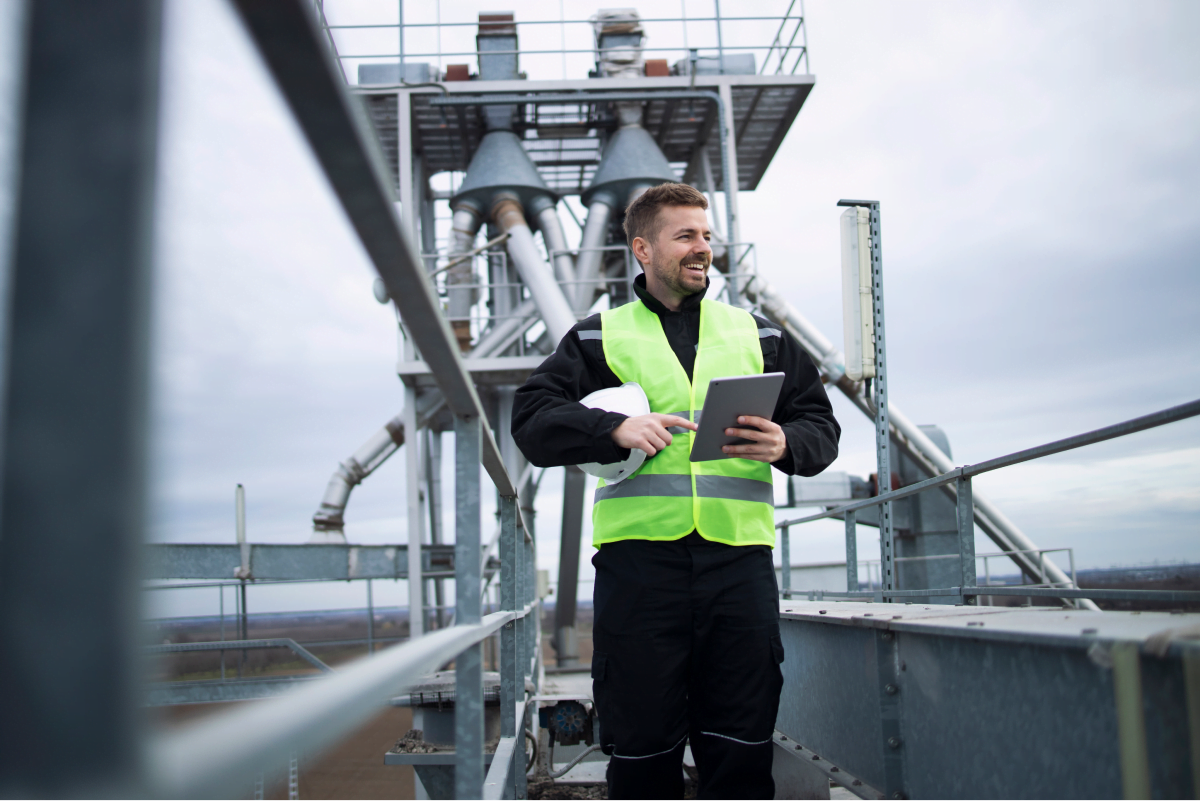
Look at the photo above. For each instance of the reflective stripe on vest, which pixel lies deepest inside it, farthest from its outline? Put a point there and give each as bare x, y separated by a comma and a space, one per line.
726, 500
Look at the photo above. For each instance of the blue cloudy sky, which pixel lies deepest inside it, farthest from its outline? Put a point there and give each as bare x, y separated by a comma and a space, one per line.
1037, 166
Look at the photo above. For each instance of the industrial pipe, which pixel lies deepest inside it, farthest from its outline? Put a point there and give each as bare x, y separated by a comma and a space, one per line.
503, 333
556, 244
908, 436
463, 228
591, 258
328, 522
535, 272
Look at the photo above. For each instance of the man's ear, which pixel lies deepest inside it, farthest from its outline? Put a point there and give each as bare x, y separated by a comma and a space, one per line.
641, 249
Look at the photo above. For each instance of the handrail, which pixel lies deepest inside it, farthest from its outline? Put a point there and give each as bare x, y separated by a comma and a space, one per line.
1161, 418
241, 645
215, 758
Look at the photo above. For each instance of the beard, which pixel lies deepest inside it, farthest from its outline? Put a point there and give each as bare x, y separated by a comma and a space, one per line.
672, 275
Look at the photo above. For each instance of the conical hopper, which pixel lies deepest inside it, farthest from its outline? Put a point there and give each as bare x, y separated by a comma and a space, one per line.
632, 158
502, 165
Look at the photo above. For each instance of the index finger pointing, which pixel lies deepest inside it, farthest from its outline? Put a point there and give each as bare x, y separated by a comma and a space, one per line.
676, 420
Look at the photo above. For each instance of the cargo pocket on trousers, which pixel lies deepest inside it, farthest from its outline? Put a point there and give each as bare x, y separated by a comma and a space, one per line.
776, 651
599, 665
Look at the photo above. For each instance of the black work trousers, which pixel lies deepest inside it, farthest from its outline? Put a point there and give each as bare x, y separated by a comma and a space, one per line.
687, 648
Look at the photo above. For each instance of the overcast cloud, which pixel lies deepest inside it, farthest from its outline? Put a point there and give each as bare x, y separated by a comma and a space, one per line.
1037, 166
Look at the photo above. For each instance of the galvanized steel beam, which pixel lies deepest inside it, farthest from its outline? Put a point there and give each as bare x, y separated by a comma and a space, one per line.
292, 562
77, 322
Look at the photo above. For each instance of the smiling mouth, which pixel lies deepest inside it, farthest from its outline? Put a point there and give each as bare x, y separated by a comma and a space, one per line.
696, 266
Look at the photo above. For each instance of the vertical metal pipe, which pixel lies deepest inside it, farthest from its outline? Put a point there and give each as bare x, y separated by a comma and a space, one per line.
370, 619
404, 163
468, 703
245, 628
851, 551
720, 39
240, 517
433, 465
987, 578
785, 557
520, 653
591, 258
966, 536
412, 471
555, 240
729, 164
565, 636
221, 589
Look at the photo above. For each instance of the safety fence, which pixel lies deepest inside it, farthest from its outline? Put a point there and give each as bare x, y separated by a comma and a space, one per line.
957, 483
77, 385
501, 310
713, 43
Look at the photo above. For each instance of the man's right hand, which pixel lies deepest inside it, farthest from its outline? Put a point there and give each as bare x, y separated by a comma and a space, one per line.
649, 431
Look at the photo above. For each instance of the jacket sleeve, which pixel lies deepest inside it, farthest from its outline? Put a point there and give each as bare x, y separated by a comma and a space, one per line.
803, 411
549, 424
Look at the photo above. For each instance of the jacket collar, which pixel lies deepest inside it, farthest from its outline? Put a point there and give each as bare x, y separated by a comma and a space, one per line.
689, 304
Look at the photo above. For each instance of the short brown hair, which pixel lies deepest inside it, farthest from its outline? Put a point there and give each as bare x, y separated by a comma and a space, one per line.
641, 216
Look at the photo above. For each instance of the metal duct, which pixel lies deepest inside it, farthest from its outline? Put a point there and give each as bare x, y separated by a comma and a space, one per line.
591, 258
504, 333
556, 240
328, 522
463, 228
908, 436
523, 252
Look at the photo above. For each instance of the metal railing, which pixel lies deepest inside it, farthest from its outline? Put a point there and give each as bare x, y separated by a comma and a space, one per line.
958, 482
513, 296
873, 567
783, 54
76, 385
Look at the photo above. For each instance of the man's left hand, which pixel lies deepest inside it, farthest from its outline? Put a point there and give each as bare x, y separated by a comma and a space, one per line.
769, 443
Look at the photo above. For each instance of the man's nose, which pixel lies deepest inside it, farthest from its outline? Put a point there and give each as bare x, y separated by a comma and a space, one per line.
702, 247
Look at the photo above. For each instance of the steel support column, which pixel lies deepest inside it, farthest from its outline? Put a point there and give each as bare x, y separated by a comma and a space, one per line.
412, 476
468, 691
512, 680
76, 399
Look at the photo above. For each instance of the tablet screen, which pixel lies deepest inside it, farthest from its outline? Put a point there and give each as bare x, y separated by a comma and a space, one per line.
726, 401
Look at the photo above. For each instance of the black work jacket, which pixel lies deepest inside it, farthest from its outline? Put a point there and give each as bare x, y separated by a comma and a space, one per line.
552, 428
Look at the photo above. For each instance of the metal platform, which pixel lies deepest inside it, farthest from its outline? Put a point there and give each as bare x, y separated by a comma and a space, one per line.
983, 702
565, 139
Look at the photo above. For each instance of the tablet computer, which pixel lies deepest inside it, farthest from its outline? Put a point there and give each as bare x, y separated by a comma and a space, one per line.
726, 401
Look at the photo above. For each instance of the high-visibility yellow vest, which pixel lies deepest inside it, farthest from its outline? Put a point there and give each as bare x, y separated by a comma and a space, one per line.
725, 500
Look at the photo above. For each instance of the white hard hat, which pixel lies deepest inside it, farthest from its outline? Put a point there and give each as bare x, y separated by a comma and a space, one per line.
628, 399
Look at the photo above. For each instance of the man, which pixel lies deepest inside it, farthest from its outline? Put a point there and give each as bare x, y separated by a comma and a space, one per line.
686, 631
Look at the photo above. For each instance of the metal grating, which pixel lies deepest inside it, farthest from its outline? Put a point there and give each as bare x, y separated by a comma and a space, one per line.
565, 141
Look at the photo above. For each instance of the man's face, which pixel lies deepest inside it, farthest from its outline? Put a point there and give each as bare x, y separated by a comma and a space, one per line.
680, 256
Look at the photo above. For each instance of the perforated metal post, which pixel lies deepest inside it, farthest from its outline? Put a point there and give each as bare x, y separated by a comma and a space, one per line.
887, 544
468, 691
